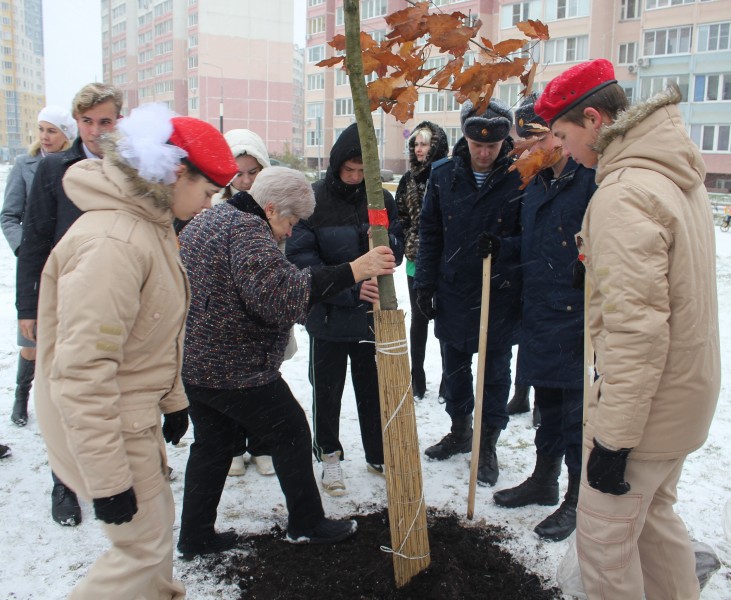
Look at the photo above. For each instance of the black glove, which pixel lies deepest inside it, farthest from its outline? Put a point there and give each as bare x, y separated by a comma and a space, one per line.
175, 425
488, 244
605, 469
425, 302
577, 281
118, 509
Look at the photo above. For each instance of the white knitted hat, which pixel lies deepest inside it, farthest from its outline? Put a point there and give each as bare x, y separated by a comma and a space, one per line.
245, 141
61, 118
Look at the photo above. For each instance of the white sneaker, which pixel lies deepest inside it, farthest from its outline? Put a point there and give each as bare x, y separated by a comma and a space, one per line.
238, 467
264, 465
332, 474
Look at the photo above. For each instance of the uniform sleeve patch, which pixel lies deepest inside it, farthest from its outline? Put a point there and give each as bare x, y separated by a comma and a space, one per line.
110, 329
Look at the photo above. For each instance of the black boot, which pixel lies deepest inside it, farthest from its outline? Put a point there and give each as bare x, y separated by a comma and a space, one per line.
540, 488
561, 523
418, 383
26, 369
536, 416
519, 403
65, 508
488, 469
458, 441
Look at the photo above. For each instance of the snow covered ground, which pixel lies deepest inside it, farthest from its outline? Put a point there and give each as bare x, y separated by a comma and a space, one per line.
42, 561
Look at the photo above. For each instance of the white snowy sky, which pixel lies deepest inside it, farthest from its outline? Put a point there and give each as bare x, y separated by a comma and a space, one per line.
72, 44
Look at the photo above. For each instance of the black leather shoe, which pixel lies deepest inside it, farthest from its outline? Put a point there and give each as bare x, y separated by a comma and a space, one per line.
218, 542
65, 508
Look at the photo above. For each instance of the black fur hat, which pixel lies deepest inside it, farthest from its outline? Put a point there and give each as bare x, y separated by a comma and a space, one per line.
527, 122
493, 125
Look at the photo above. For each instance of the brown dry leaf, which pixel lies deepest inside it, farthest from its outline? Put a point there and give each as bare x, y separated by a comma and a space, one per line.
410, 23
379, 90
443, 76
521, 145
527, 80
449, 34
366, 41
329, 62
529, 166
338, 42
508, 46
534, 29
405, 101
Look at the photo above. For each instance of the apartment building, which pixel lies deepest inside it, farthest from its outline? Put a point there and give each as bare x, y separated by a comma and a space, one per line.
228, 63
22, 76
651, 42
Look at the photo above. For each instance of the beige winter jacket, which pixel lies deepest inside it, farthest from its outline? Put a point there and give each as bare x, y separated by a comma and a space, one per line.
649, 241
113, 302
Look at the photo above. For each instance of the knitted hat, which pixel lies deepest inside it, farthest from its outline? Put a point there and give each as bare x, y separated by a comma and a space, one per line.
60, 118
493, 125
527, 122
572, 87
206, 147
245, 142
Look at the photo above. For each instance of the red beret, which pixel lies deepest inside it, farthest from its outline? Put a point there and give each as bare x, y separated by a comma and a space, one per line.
572, 86
206, 147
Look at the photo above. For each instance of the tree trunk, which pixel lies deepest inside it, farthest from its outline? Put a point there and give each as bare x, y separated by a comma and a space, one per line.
369, 146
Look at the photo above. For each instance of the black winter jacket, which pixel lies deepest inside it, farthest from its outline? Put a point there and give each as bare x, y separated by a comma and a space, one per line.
337, 232
48, 215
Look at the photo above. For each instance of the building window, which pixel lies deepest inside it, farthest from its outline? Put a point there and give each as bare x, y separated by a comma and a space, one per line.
508, 93
630, 93
314, 137
712, 138
315, 110
713, 37
512, 14
164, 47
339, 16
649, 86
166, 67
437, 102
193, 61
627, 53
316, 81
373, 8
193, 82
453, 135
193, 40
315, 2
650, 4
563, 50
630, 10
193, 103
675, 40
341, 77
192, 19
343, 107
712, 88
315, 53
566, 9
316, 25
164, 27
164, 86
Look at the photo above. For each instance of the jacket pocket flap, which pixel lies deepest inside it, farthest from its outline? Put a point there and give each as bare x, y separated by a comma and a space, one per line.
139, 419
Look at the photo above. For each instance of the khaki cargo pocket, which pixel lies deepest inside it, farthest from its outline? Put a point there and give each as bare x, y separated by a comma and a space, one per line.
604, 527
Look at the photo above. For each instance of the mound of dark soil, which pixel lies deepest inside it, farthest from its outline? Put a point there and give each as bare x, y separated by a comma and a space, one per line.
466, 563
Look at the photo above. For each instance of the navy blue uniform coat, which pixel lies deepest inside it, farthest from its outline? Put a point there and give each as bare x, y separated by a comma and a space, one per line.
551, 338
453, 215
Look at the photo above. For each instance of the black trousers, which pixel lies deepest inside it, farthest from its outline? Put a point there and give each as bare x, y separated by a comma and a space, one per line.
560, 432
418, 332
271, 416
460, 395
328, 368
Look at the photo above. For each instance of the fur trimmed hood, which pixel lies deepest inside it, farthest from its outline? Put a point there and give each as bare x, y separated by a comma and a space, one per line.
651, 135
111, 184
